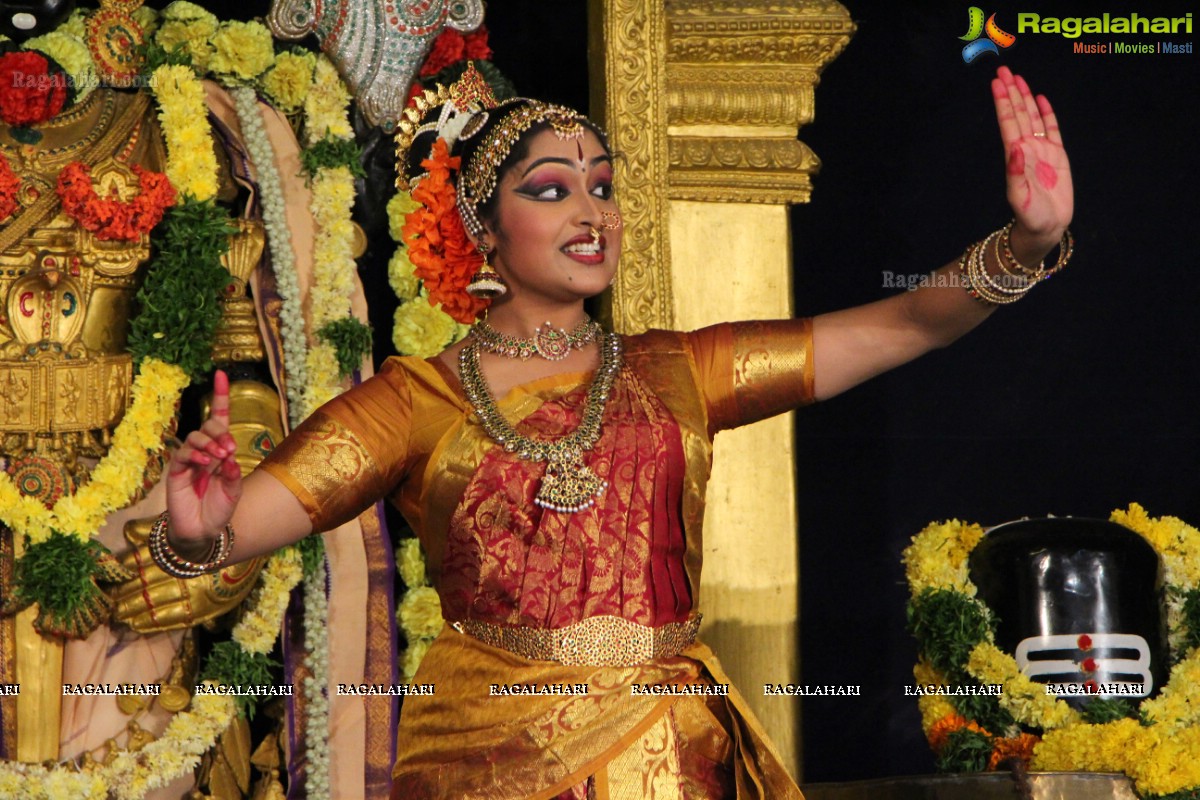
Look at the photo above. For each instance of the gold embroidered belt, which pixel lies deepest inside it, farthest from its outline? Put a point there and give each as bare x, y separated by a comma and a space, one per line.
603, 641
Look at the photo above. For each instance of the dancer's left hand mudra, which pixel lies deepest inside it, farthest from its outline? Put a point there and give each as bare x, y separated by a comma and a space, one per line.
1039, 175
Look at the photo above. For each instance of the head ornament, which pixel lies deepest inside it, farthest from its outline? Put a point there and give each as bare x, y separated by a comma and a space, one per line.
465, 105
468, 109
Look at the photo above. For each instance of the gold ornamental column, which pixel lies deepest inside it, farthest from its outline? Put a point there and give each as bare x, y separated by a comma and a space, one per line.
703, 99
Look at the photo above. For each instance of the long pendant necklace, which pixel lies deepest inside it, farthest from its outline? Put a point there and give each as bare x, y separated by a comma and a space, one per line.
569, 484
552, 344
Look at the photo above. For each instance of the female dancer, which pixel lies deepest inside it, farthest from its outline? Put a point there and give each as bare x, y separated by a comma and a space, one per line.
557, 480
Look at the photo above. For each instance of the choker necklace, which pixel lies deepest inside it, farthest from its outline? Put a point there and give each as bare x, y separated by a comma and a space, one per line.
568, 485
552, 344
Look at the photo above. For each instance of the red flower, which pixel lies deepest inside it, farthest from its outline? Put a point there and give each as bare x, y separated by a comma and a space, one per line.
477, 48
113, 218
1091, 686
9, 184
451, 47
1088, 665
414, 92
29, 93
1085, 642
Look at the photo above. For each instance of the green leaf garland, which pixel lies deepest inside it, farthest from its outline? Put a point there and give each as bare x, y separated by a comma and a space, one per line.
180, 304
351, 339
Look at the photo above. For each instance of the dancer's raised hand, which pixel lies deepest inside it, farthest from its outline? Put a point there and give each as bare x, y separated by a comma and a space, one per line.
204, 481
1039, 175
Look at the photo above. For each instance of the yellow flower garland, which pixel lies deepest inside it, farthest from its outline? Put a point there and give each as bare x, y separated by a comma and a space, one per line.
419, 613
287, 82
242, 50
188, 26
257, 630
326, 112
191, 162
1162, 757
72, 55
326, 107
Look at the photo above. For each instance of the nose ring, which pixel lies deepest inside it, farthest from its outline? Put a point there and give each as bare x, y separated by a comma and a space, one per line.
610, 220
594, 233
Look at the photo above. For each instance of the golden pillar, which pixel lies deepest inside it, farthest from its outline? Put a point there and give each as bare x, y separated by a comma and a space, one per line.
703, 99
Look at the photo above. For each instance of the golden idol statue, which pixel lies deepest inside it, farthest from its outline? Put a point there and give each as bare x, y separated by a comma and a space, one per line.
69, 273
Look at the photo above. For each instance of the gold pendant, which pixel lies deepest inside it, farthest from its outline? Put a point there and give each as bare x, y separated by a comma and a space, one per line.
552, 344
569, 485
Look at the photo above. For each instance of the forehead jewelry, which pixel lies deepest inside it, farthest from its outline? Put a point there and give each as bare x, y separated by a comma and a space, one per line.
565, 124
478, 178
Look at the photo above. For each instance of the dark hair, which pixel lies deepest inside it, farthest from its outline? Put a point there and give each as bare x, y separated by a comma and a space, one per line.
468, 150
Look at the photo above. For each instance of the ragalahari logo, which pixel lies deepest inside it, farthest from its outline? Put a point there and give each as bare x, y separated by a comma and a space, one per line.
976, 27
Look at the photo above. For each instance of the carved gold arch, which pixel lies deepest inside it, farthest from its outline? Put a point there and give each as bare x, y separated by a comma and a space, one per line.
703, 99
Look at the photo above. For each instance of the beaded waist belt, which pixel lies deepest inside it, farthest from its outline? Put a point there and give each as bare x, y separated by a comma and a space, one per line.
604, 641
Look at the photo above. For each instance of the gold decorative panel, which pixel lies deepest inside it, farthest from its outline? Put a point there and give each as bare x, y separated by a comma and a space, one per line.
740, 81
628, 79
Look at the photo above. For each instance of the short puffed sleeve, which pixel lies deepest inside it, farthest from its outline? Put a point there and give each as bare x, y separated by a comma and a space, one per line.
350, 452
749, 371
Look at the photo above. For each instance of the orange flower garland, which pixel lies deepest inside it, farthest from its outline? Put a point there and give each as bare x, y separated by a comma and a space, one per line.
113, 218
9, 184
1019, 747
1003, 748
442, 255
941, 730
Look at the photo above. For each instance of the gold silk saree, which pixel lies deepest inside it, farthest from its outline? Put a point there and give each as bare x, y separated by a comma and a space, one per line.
500, 561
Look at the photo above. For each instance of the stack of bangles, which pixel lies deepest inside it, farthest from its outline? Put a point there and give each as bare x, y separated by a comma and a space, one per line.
175, 565
1015, 279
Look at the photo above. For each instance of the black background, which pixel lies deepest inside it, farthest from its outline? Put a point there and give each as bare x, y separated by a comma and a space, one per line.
1080, 399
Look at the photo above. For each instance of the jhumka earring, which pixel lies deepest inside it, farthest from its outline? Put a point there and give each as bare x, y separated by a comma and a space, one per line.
486, 283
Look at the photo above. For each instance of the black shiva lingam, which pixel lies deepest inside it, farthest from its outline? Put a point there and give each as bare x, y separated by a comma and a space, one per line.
1077, 604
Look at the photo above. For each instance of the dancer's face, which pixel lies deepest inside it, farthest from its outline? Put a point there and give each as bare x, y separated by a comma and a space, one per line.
555, 222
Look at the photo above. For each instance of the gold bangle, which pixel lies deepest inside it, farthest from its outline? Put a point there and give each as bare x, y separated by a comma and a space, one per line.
980, 284
175, 565
1008, 261
1066, 248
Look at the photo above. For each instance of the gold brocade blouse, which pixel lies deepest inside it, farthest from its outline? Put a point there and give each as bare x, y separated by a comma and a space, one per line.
409, 434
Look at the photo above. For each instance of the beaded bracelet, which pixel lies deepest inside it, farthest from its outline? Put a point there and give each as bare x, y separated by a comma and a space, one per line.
1016, 279
1066, 248
981, 284
175, 565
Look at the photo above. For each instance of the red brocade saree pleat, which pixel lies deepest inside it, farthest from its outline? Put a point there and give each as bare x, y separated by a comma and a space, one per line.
511, 562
